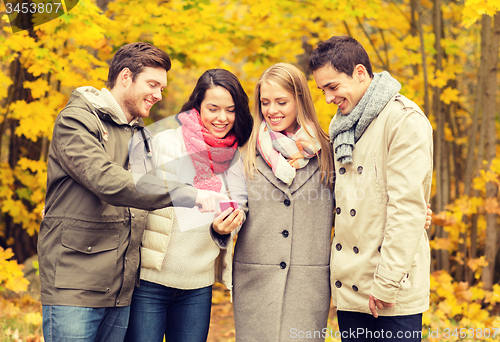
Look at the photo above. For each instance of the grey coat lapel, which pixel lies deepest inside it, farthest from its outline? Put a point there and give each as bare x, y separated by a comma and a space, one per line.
267, 172
302, 176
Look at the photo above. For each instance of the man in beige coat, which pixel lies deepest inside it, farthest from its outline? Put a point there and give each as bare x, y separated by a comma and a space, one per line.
380, 260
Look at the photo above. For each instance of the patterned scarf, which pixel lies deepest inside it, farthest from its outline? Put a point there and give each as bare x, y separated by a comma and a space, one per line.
285, 152
210, 155
346, 130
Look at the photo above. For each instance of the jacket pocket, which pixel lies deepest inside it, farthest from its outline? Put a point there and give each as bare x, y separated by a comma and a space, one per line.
87, 260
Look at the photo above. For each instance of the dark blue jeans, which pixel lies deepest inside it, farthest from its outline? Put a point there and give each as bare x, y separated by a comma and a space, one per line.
357, 326
80, 324
180, 315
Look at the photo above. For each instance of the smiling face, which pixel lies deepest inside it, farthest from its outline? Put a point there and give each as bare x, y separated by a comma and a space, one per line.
340, 89
140, 95
217, 111
278, 108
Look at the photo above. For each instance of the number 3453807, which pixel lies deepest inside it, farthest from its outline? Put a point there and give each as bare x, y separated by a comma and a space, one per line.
33, 8
471, 332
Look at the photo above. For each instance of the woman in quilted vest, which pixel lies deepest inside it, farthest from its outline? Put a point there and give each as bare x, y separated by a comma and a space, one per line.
182, 252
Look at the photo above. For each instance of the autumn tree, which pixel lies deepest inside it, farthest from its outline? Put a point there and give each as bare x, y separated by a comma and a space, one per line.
40, 65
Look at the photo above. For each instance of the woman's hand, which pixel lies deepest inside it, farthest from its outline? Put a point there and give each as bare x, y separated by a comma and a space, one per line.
428, 218
227, 221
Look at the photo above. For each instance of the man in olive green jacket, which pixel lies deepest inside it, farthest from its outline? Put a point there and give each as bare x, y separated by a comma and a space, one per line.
89, 239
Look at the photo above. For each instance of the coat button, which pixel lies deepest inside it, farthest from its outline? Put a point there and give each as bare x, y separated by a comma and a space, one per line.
287, 202
338, 246
355, 288
338, 210
117, 302
338, 284
379, 248
282, 265
133, 215
360, 169
107, 289
127, 129
342, 170
89, 249
353, 212
285, 233
355, 249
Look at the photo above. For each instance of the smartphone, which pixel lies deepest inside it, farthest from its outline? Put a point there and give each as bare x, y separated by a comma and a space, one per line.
228, 204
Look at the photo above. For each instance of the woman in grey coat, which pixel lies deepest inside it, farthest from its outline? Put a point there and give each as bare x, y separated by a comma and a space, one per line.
281, 260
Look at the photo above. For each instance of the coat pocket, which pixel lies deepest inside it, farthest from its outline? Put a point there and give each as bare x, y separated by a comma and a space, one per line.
87, 260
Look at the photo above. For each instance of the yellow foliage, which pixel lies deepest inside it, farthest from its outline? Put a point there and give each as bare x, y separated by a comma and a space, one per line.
458, 303
491, 205
450, 95
474, 9
38, 88
444, 218
493, 297
220, 297
463, 293
495, 166
441, 243
5, 83
478, 293
440, 79
34, 318
9, 309
475, 264
448, 134
11, 275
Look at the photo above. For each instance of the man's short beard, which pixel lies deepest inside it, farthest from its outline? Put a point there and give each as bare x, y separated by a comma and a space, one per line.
131, 106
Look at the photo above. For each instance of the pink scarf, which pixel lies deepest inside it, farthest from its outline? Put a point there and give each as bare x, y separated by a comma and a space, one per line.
286, 152
210, 155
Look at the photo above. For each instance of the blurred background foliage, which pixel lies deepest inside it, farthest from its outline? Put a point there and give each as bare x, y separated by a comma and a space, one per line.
444, 53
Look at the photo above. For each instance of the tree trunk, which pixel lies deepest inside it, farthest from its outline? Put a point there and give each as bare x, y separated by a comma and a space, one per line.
414, 27
424, 63
490, 116
469, 163
14, 234
440, 156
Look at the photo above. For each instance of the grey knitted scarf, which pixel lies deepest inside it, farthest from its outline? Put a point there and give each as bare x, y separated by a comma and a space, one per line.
346, 130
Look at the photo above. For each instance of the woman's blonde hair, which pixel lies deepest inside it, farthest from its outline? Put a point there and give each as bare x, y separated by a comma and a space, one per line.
291, 79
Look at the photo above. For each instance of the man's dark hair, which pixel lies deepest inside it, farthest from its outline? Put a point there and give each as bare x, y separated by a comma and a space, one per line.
212, 78
136, 57
342, 53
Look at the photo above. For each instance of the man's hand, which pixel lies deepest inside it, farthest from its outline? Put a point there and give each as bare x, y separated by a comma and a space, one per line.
227, 221
375, 303
206, 200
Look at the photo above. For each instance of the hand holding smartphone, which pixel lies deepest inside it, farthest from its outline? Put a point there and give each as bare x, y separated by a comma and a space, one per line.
228, 204
223, 225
